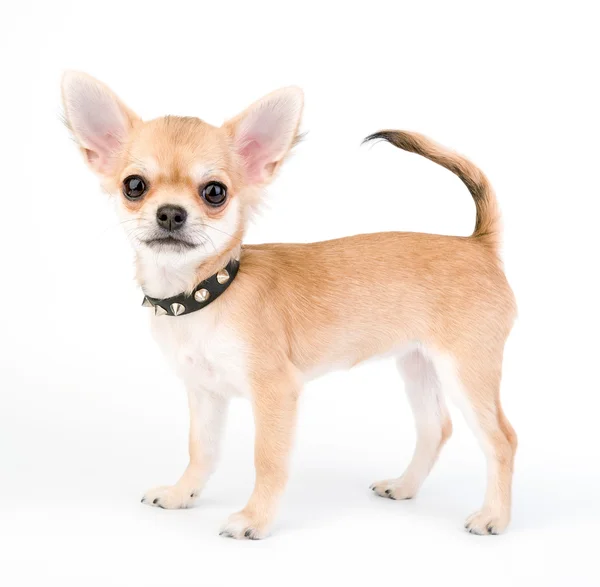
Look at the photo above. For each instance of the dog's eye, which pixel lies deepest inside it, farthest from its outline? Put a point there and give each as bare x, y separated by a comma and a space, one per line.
214, 193
134, 187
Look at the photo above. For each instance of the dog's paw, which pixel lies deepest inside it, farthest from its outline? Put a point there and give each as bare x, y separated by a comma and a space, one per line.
170, 497
395, 489
486, 522
244, 527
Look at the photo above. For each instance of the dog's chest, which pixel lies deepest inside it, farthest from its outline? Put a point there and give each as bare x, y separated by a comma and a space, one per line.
204, 351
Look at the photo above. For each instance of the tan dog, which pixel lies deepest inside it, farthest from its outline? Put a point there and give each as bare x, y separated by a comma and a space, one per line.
440, 305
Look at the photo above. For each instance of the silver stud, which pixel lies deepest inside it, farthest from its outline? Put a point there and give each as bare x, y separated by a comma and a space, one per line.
177, 308
159, 310
202, 295
223, 276
146, 303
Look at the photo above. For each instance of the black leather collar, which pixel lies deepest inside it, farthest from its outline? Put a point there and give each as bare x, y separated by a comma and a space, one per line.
204, 293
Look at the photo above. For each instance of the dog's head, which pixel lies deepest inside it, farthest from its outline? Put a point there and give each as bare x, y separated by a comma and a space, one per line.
185, 189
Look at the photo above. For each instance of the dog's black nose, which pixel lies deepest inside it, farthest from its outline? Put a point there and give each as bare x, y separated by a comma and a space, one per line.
171, 218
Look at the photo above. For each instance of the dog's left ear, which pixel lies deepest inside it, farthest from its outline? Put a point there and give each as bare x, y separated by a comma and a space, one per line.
265, 132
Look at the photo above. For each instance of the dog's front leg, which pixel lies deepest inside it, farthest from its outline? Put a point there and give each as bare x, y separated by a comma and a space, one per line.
207, 416
275, 398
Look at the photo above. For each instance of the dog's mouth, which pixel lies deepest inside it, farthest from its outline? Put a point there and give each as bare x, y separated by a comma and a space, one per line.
170, 242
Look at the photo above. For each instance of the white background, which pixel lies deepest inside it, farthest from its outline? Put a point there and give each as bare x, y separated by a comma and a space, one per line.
90, 416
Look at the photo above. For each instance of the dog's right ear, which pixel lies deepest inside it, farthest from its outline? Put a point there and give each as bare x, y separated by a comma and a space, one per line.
99, 121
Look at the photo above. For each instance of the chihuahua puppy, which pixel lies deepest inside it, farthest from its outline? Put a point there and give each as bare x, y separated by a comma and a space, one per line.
259, 320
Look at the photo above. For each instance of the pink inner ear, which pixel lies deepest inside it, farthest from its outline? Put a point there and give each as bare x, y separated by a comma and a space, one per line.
256, 158
99, 121
103, 147
264, 133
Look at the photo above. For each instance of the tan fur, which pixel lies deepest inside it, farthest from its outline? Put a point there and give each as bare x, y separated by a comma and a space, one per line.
304, 308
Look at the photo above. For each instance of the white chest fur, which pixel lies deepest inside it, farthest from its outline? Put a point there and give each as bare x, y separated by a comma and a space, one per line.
204, 351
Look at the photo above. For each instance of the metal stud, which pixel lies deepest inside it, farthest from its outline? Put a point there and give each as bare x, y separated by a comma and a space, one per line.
223, 276
177, 309
146, 303
159, 310
202, 295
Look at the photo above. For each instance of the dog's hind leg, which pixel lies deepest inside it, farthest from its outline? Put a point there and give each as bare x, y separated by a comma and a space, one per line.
433, 426
472, 378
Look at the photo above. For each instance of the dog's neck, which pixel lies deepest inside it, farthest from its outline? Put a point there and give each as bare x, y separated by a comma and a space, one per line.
163, 278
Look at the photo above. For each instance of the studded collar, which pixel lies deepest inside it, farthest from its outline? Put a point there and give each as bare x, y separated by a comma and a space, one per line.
204, 293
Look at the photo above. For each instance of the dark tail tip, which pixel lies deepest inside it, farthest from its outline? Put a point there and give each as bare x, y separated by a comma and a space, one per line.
403, 140
384, 135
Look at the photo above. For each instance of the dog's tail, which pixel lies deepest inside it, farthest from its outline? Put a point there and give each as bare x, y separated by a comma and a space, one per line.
487, 224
